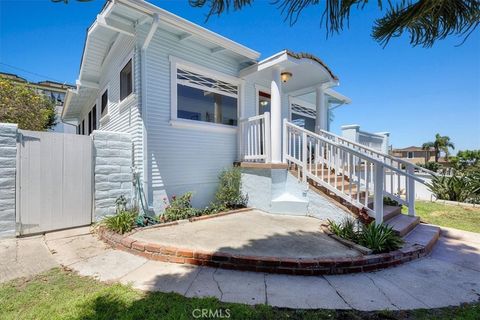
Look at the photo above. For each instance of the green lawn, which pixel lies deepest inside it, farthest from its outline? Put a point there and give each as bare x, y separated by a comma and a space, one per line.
457, 217
59, 294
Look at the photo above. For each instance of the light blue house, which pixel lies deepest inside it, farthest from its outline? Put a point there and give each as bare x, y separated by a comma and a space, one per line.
195, 102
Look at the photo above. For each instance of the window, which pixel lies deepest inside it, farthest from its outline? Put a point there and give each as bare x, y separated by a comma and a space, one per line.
126, 80
410, 155
83, 127
104, 105
204, 98
92, 119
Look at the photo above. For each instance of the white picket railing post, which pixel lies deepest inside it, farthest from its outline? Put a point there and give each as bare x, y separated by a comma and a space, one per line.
378, 192
304, 156
268, 139
285, 141
411, 191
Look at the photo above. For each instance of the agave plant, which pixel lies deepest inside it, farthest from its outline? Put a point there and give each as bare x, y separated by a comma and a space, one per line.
379, 238
461, 187
347, 229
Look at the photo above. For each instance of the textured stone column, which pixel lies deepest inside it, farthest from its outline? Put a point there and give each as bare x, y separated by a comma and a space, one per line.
8, 168
113, 170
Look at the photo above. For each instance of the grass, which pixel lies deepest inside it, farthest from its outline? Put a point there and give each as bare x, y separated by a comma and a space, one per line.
463, 218
60, 294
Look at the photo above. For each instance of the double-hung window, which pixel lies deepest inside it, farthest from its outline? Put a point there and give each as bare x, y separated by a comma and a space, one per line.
205, 96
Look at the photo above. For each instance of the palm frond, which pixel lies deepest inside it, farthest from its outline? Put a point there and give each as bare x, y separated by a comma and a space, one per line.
428, 21
217, 7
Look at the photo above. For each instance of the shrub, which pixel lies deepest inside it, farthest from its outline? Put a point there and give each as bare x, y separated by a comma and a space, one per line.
122, 222
390, 202
462, 186
180, 208
430, 165
229, 192
347, 229
379, 238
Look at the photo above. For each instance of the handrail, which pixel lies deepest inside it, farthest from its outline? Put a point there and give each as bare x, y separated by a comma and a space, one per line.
355, 152
380, 153
341, 167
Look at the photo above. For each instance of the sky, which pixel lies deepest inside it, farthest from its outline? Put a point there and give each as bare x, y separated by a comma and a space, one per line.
411, 92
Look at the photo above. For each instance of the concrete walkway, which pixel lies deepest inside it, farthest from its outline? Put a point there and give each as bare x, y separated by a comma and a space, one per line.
449, 276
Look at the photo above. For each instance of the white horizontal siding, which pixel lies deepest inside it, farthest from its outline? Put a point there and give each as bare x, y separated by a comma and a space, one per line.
182, 160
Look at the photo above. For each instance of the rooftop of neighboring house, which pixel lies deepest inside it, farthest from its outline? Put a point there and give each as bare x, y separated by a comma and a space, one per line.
411, 148
43, 85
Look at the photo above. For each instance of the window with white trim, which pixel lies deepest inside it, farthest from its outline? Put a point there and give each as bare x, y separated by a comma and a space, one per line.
205, 98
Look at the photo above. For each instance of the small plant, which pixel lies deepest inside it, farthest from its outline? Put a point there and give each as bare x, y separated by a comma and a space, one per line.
379, 238
229, 193
347, 229
180, 208
431, 165
121, 222
213, 208
390, 202
121, 204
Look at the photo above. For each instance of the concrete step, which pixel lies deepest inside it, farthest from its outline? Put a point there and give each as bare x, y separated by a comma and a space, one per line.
403, 224
289, 204
389, 212
425, 235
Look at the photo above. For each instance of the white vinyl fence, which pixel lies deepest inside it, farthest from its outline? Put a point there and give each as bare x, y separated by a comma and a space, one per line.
51, 181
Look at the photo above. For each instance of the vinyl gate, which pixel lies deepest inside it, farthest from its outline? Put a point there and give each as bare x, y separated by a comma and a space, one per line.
54, 181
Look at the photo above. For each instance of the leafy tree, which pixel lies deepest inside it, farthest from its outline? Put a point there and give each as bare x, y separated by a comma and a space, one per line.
425, 20
467, 160
20, 104
441, 143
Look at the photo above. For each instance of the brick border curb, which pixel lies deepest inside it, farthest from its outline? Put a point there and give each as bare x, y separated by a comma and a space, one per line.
281, 265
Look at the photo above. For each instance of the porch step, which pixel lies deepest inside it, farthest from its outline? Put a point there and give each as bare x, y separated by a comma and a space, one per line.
289, 204
403, 224
389, 212
425, 235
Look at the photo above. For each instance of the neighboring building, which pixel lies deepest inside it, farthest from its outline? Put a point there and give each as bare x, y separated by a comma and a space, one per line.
378, 141
415, 155
53, 90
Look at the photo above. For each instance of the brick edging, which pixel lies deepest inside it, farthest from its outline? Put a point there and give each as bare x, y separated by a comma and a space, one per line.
292, 266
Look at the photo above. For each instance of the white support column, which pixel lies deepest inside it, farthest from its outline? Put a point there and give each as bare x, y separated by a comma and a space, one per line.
276, 116
321, 121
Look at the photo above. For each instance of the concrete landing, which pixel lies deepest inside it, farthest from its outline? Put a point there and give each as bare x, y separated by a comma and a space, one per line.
252, 233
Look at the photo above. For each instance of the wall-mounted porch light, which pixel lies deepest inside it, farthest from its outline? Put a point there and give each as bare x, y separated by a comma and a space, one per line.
285, 76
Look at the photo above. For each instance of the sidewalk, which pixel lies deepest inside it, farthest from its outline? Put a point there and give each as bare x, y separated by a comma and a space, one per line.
449, 276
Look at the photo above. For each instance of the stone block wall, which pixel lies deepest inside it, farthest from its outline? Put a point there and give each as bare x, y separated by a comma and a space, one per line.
8, 167
113, 170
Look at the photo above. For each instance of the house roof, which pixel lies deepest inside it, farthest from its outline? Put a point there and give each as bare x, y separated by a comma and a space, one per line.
304, 55
412, 148
119, 18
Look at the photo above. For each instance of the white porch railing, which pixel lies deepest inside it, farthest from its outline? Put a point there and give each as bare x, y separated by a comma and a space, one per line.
352, 174
255, 138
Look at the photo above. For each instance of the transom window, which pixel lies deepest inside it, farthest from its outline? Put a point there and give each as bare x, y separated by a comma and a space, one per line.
126, 80
206, 98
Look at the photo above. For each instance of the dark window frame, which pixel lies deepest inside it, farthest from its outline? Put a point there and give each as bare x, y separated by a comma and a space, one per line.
104, 103
126, 80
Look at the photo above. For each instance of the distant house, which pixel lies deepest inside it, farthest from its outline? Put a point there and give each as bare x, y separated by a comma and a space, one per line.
414, 154
53, 90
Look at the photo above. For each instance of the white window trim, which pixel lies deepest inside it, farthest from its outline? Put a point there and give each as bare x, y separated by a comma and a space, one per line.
106, 117
125, 104
194, 124
123, 64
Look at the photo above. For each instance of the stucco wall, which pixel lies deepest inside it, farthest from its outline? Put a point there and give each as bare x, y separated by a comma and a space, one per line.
8, 163
113, 172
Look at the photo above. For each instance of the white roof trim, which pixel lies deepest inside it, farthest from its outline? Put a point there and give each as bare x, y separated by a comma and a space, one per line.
336, 95
190, 27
